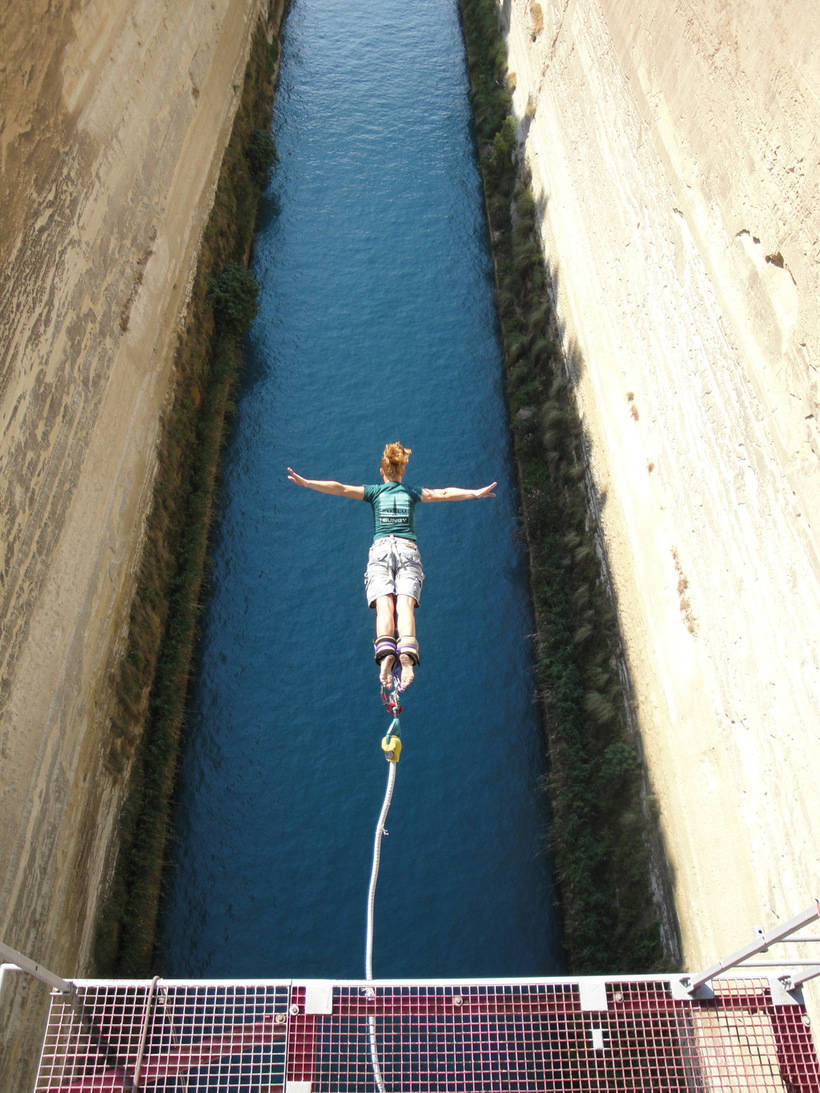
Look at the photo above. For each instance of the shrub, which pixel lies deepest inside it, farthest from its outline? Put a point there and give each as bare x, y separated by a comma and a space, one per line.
233, 296
261, 156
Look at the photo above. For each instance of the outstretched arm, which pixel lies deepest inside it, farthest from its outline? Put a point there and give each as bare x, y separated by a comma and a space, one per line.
338, 489
454, 493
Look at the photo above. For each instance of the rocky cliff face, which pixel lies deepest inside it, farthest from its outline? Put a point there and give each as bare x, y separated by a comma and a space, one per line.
673, 146
114, 119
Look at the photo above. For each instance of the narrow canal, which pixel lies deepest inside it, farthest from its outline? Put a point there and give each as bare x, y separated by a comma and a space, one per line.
376, 323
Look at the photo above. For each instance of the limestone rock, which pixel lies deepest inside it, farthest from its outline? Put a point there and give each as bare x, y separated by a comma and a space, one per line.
114, 119
674, 145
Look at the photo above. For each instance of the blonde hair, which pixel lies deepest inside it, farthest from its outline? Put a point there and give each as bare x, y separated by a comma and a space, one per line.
394, 460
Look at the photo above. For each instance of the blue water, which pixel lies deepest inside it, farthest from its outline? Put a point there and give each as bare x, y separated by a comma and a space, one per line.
376, 323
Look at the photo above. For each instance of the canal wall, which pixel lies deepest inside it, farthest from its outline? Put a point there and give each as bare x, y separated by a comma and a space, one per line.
673, 155
115, 118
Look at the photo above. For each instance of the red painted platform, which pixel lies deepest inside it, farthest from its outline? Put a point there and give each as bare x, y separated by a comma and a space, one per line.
527, 1036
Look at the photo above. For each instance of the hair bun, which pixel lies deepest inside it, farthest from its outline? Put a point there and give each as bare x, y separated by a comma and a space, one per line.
395, 456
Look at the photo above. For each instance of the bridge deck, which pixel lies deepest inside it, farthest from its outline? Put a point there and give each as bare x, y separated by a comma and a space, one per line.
585, 1035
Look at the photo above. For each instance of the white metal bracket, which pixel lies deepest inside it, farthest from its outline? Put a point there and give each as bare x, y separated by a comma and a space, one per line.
319, 996
592, 993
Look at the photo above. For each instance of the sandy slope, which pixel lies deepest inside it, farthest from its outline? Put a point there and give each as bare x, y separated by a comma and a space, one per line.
114, 119
675, 148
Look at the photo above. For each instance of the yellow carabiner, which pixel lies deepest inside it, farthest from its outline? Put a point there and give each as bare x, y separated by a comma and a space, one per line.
391, 746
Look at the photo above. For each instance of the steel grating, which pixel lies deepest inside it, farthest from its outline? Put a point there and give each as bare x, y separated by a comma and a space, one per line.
165, 1036
628, 1035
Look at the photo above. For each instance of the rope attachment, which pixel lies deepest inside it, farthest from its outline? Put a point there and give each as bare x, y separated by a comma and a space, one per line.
391, 742
391, 697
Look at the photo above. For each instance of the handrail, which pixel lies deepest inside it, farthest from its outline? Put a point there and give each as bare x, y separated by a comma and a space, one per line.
31, 967
761, 944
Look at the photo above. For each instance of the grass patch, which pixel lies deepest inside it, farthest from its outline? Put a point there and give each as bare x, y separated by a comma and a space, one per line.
602, 829
152, 687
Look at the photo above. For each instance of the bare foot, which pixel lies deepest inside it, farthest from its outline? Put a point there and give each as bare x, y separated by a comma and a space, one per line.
386, 671
407, 670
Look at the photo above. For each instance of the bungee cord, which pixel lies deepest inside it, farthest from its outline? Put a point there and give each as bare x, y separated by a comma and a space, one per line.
391, 746
374, 872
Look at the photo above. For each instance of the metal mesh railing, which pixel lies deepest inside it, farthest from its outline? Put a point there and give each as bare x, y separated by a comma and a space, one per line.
631, 1034
165, 1036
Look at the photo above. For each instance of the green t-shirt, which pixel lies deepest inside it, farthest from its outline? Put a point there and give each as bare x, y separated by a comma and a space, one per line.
394, 508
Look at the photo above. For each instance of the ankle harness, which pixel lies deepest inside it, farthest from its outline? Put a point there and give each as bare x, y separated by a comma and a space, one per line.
384, 646
410, 647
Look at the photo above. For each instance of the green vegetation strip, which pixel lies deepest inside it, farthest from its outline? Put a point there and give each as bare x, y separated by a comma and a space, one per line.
153, 679
603, 828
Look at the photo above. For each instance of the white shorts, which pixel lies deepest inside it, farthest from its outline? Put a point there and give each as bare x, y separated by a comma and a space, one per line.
393, 569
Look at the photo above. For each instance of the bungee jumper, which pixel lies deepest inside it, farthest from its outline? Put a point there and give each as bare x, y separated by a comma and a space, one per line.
394, 576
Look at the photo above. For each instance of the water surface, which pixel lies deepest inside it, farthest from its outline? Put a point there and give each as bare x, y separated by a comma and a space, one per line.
376, 323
